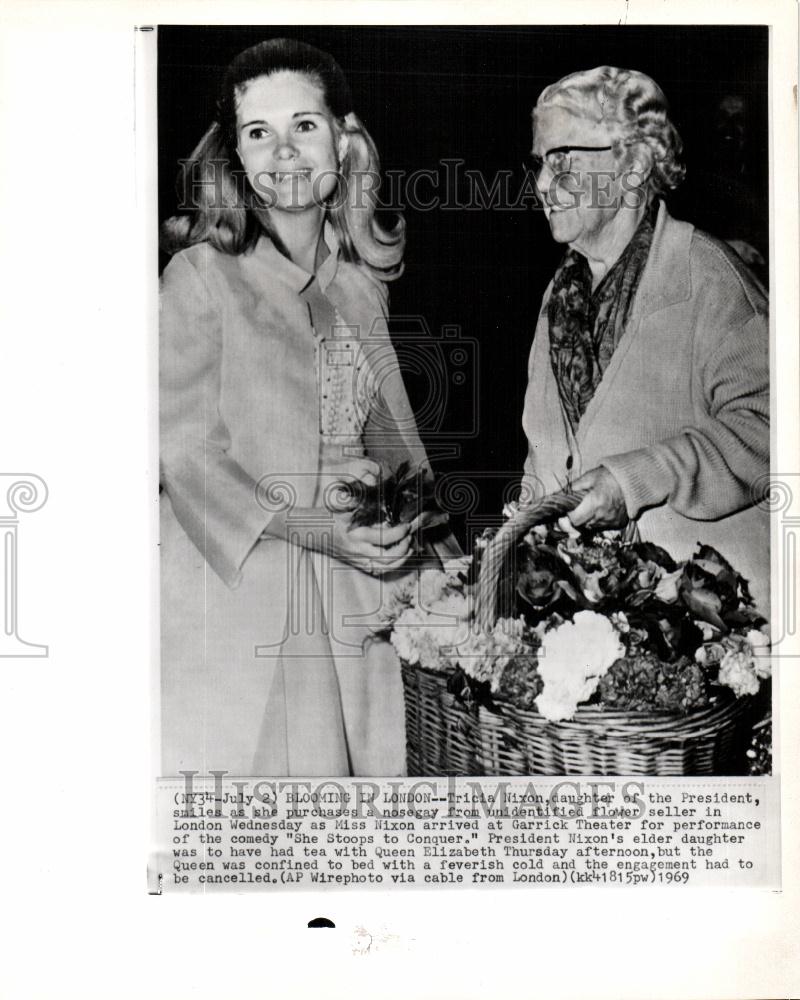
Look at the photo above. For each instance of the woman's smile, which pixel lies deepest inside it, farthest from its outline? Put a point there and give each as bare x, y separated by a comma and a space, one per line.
286, 140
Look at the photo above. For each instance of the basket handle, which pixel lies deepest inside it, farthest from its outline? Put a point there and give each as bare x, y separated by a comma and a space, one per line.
524, 518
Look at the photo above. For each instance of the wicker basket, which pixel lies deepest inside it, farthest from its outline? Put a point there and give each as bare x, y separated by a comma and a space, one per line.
445, 737
441, 735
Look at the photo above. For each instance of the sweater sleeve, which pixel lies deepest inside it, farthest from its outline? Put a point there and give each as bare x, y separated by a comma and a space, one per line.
712, 467
213, 498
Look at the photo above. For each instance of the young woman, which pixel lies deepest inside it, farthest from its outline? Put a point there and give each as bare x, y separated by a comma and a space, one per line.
278, 382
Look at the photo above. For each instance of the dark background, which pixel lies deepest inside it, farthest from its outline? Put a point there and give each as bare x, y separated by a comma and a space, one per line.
431, 94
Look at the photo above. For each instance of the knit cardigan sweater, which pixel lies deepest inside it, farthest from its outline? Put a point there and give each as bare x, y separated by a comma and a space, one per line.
681, 415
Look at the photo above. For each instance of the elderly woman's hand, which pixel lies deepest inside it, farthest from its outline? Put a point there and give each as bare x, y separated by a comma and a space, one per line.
603, 506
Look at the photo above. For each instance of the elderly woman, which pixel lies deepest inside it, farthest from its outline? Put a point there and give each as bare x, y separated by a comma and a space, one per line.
649, 374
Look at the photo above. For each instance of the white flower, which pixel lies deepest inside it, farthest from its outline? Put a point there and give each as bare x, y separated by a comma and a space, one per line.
590, 585
650, 575
476, 658
547, 625
708, 631
620, 622
553, 705
710, 654
568, 527
405, 634
433, 583
430, 655
423, 634
736, 670
403, 595
667, 587
405, 645
760, 647
449, 614
484, 655
457, 566
572, 660
512, 627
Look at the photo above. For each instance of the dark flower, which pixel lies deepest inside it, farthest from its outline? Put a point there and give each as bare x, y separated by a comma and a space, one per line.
544, 577
520, 683
397, 498
712, 590
649, 552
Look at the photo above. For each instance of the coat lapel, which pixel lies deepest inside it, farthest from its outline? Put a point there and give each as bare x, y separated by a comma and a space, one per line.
665, 281
391, 433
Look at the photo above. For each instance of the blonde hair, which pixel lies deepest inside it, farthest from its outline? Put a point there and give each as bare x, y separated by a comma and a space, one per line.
636, 108
218, 205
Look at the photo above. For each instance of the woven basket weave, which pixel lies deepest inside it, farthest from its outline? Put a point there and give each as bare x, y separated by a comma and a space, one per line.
445, 737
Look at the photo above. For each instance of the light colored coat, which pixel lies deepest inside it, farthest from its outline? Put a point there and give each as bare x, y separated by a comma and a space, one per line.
239, 407
681, 415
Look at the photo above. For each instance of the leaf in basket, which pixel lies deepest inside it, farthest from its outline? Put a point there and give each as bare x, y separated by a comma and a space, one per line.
705, 605
744, 617
427, 520
623, 576
708, 571
458, 682
716, 564
681, 637
591, 583
649, 552
666, 589
468, 691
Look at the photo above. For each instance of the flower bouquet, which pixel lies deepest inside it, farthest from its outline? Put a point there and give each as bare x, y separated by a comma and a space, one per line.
604, 657
404, 495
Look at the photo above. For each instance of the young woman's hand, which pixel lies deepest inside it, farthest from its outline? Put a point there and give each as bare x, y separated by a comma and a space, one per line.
338, 478
377, 549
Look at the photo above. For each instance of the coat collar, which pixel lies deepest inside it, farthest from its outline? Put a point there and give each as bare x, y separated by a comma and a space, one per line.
297, 278
665, 281
667, 276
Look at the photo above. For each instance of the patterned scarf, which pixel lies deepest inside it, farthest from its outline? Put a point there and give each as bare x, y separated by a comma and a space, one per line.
586, 326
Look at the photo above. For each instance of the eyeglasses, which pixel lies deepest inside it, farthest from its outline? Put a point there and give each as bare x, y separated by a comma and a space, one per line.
559, 158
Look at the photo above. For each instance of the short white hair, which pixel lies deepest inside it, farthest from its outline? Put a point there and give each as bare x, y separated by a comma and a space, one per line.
634, 106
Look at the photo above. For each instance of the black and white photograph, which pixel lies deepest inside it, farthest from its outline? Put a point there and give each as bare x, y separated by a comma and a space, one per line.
464, 400
400, 499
